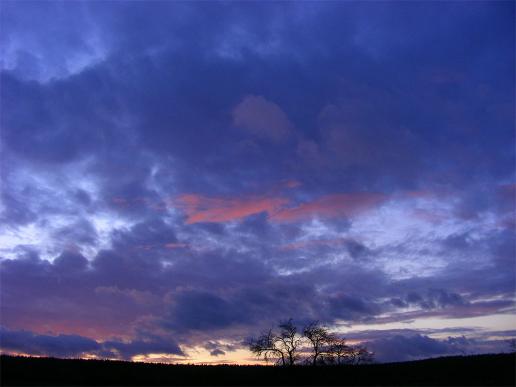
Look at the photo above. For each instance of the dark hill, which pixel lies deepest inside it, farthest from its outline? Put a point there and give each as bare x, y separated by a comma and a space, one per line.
479, 370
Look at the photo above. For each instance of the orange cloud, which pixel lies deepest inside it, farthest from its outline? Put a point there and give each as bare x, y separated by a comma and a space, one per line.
331, 206
200, 208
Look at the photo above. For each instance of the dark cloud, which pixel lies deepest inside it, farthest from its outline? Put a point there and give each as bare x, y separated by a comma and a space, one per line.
62, 345
401, 348
177, 96
26, 342
70, 262
217, 348
352, 308
405, 345
356, 249
82, 232
217, 352
435, 298
151, 234
204, 311
126, 350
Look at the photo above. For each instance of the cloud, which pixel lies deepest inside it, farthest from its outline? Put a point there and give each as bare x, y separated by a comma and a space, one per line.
436, 298
413, 346
198, 310
126, 350
217, 352
60, 52
61, 345
355, 249
82, 232
262, 118
25, 342
351, 307
209, 295
205, 209
402, 348
330, 206
219, 349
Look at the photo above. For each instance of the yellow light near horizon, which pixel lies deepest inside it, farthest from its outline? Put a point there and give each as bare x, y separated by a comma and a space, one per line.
199, 355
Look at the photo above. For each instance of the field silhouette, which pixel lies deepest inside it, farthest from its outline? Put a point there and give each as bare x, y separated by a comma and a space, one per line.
477, 370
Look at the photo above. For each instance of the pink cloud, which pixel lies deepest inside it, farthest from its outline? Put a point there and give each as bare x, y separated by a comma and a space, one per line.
200, 208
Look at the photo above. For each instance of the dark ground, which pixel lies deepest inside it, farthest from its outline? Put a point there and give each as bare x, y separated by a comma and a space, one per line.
480, 370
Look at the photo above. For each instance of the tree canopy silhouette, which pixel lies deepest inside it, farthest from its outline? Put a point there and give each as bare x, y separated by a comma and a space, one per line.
314, 345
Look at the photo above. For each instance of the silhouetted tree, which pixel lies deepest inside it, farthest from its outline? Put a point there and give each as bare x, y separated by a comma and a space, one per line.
282, 346
289, 341
338, 351
359, 354
265, 346
323, 346
319, 339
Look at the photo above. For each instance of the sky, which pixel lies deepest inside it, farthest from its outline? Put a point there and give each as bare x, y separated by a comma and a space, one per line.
177, 177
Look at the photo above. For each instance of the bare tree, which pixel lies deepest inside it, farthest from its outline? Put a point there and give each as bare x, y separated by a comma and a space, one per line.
283, 347
265, 346
338, 351
328, 348
319, 339
286, 346
289, 340
359, 354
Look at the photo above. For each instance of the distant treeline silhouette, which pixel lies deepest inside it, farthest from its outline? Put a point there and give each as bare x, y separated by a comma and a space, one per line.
314, 345
479, 370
